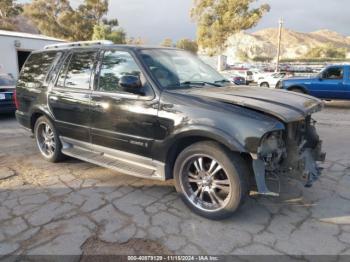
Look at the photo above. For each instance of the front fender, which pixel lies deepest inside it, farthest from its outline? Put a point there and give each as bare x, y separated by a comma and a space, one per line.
238, 128
209, 132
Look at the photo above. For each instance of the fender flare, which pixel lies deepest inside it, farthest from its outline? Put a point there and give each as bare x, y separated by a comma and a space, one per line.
211, 133
298, 87
40, 110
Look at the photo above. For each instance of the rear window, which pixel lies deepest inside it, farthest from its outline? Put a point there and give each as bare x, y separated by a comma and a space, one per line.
36, 69
7, 80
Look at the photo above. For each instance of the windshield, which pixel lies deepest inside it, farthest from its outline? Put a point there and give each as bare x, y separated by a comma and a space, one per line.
6, 80
180, 69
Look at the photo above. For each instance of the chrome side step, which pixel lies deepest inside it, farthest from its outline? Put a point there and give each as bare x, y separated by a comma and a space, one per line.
125, 166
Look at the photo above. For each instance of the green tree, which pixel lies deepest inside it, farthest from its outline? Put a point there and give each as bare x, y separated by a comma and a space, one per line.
188, 45
167, 42
135, 41
262, 59
242, 55
117, 36
217, 20
57, 18
327, 51
94, 9
109, 32
8, 10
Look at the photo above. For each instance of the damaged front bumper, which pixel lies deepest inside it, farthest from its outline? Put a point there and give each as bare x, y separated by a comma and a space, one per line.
294, 153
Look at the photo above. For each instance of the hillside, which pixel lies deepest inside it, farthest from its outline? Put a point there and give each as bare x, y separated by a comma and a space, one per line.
263, 43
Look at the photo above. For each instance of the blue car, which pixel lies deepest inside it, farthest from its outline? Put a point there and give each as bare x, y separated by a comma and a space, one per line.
333, 83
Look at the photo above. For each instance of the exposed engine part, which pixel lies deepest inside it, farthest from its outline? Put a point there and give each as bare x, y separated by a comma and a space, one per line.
294, 153
272, 150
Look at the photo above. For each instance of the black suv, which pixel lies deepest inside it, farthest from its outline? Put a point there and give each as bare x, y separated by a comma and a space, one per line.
162, 113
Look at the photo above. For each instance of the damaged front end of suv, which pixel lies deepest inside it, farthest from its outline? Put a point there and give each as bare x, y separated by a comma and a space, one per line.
293, 152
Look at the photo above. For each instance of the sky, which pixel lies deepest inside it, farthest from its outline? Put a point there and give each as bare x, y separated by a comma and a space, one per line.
154, 20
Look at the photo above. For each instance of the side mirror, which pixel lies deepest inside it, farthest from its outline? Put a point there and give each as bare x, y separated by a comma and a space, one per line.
130, 83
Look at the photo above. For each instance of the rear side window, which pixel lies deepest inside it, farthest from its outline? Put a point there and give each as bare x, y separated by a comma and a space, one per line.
36, 69
77, 69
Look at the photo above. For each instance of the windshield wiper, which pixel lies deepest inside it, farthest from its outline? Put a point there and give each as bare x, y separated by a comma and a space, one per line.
200, 83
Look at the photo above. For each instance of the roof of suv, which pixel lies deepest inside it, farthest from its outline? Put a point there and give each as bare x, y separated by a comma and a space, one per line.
130, 47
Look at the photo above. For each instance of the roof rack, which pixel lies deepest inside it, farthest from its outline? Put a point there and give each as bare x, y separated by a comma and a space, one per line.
81, 43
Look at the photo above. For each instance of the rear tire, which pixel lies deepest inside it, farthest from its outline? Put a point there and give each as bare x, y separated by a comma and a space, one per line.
47, 140
297, 90
211, 180
265, 84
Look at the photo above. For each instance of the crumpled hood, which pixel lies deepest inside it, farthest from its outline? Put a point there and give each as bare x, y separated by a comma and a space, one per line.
285, 105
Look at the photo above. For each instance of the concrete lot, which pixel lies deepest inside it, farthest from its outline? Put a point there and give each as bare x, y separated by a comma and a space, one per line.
78, 208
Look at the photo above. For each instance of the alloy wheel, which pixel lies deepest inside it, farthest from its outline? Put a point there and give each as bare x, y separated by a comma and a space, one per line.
46, 140
205, 183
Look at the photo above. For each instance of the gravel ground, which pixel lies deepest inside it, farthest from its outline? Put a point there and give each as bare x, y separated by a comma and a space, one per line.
75, 208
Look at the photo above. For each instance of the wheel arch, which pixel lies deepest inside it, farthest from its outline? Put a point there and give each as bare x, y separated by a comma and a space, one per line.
264, 82
300, 87
36, 113
186, 139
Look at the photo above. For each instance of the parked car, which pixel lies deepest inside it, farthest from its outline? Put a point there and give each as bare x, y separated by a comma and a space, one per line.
258, 74
246, 74
128, 108
235, 79
238, 80
7, 88
331, 83
271, 81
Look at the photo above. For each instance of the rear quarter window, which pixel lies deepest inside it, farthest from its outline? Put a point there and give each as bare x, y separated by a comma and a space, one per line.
36, 69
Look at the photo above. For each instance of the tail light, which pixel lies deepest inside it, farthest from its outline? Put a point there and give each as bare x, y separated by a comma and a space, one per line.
15, 100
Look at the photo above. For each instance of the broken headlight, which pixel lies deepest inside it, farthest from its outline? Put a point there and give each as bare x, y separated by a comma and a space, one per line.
272, 150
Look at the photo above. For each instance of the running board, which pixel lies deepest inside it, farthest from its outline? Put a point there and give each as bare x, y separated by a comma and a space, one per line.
115, 163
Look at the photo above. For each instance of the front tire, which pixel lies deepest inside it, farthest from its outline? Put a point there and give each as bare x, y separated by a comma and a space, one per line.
47, 140
211, 180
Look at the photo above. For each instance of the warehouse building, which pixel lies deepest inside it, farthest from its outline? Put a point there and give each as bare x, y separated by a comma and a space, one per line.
15, 48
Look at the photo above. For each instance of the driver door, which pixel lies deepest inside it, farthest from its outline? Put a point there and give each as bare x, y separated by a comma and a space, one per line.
330, 84
122, 120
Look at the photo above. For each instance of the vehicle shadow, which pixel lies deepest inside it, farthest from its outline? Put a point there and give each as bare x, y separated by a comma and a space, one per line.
10, 116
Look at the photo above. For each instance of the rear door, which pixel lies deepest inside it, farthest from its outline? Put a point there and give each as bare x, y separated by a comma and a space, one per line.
69, 99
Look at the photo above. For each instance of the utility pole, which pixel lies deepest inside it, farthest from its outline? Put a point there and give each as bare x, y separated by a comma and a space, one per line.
279, 43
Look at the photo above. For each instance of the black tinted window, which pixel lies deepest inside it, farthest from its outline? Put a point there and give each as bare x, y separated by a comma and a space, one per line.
63, 71
36, 69
79, 70
333, 73
116, 64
